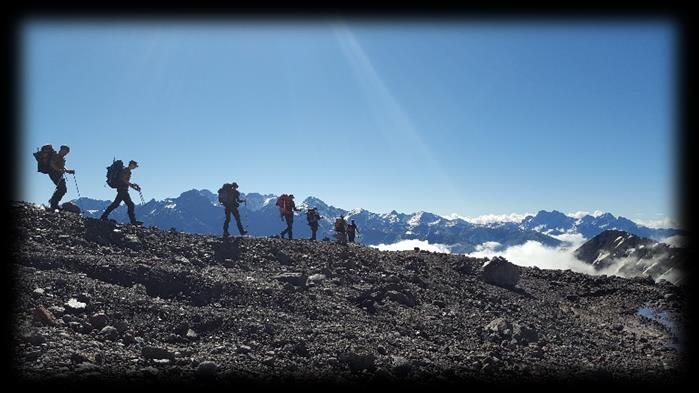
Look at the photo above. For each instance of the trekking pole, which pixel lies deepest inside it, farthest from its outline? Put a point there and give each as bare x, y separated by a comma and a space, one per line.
76, 185
141, 194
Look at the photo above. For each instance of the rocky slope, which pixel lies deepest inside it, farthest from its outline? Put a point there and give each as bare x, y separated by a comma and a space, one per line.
95, 299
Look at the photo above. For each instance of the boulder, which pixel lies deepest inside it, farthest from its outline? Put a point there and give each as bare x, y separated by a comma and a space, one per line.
109, 332
358, 361
70, 208
207, 368
99, 320
499, 325
43, 316
499, 271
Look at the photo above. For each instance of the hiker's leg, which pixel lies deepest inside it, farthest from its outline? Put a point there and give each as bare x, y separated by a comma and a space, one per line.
129, 205
289, 225
60, 190
113, 206
227, 221
236, 214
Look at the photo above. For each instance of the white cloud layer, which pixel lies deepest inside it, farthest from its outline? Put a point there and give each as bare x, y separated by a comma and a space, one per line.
665, 222
490, 218
411, 244
581, 214
533, 253
676, 241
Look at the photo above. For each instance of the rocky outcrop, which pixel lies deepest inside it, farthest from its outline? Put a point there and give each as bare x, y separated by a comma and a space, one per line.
499, 271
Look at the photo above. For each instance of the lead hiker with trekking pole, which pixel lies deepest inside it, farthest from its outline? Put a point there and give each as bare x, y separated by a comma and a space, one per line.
120, 178
229, 197
54, 164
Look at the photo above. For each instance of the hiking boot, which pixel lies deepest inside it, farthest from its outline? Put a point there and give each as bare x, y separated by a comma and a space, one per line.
243, 233
226, 234
137, 223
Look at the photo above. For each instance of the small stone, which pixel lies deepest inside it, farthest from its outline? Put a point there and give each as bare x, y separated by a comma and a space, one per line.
36, 339
191, 334
156, 353
243, 349
73, 305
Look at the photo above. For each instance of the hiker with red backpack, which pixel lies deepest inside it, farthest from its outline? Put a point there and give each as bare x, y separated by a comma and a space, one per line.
229, 197
54, 164
119, 177
286, 209
341, 229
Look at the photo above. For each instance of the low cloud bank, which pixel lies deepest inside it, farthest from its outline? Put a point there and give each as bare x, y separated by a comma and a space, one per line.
533, 253
411, 244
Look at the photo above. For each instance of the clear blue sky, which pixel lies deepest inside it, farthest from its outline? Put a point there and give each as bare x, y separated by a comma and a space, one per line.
467, 118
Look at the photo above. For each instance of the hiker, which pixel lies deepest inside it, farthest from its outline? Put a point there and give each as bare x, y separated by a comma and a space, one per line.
351, 228
341, 229
313, 218
122, 182
54, 164
287, 209
229, 197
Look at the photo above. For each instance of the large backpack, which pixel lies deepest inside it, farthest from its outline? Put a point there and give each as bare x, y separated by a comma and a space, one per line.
225, 194
114, 173
284, 204
311, 216
43, 158
339, 225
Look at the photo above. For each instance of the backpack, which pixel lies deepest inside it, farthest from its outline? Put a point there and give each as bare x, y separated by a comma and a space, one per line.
284, 204
114, 173
339, 225
43, 158
225, 194
311, 216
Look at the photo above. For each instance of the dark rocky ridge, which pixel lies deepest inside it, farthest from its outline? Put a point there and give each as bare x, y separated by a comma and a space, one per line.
631, 255
100, 300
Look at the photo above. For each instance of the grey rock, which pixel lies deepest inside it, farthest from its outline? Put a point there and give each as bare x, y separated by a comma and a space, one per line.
109, 332
44, 317
295, 279
207, 368
98, 321
150, 352
499, 271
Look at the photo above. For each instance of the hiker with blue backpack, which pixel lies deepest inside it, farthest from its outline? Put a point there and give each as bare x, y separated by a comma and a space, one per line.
53, 163
120, 178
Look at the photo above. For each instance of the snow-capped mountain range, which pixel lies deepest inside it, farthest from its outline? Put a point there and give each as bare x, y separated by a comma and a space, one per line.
198, 211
